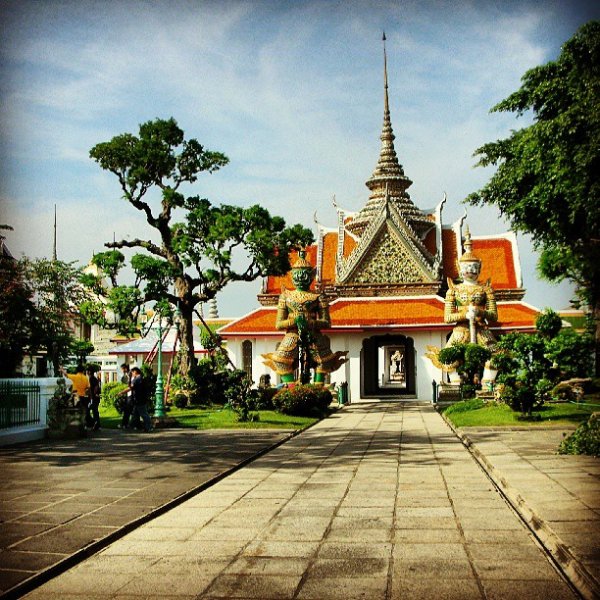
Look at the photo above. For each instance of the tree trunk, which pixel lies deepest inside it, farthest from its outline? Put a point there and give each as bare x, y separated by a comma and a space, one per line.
187, 360
596, 317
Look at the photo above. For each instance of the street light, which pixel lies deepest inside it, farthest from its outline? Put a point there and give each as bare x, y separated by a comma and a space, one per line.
159, 396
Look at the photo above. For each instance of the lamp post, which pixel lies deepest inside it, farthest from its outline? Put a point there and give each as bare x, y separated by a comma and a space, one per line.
159, 397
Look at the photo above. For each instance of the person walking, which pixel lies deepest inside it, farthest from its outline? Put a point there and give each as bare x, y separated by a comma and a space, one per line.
140, 399
94, 393
128, 404
81, 386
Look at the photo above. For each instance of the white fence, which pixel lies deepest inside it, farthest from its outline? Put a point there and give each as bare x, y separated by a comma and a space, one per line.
23, 408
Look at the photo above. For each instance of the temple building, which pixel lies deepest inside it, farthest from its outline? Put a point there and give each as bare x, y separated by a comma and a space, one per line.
384, 270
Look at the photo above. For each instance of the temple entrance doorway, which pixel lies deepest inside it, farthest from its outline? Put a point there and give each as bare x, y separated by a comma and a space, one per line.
387, 367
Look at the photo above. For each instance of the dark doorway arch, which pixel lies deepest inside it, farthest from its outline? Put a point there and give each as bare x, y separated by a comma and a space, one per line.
381, 373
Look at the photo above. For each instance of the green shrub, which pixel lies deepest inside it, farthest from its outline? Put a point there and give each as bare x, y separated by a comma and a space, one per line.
302, 400
109, 396
181, 400
264, 399
210, 379
584, 440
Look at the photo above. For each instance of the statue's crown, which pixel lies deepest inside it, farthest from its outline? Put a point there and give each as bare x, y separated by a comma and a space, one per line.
468, 255
301, 262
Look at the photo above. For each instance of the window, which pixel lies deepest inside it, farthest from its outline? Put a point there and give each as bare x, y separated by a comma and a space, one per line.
247, 357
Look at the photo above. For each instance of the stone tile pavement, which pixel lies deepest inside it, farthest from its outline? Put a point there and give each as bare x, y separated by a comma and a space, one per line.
559, 496
60, 500
380, 501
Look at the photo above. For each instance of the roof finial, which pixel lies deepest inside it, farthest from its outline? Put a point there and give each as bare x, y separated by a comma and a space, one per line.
54, 258
386, 104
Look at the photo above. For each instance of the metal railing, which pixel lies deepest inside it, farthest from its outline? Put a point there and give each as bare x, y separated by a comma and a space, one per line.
19, 403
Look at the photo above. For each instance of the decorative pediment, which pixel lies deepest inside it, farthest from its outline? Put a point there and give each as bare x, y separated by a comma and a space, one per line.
389, 252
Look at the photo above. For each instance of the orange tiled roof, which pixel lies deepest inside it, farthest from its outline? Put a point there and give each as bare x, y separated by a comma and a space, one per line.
329, 254
449, 257
424, 313
496, 255
349, 244
387, 311
260, 321
429, 242
515, 315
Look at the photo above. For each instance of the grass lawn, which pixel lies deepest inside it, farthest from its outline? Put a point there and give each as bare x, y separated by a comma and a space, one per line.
216, 418
468, 414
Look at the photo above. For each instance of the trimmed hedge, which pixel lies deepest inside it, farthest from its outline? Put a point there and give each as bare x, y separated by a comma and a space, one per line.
303, 400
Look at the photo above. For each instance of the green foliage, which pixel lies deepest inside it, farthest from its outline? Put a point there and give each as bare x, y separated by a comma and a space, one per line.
109, 396
239, 394
468, 358
81, 349
548, 323
584, 440
180, 400
571, 353
17, 314
547, 179
195, 258
303, 400
125, 302
264, 400
524, 371
58, 294
452, 354
210, 381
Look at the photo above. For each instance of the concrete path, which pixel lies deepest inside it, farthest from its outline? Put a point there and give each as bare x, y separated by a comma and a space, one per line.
380, 501
59, 499
559, 496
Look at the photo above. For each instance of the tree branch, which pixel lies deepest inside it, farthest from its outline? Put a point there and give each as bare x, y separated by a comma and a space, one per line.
137, 243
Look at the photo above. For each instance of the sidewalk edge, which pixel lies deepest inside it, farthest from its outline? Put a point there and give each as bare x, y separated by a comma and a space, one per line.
575, 572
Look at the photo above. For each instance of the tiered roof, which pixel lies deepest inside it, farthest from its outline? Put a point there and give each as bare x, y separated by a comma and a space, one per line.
387, 266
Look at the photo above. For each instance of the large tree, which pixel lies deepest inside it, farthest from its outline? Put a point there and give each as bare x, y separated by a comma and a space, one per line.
547, 181
200, 248
57, 296
16, 311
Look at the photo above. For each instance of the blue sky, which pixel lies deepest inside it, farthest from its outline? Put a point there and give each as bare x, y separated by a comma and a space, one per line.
291, 91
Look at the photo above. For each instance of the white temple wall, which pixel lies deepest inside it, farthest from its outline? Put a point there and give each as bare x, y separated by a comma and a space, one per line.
351, 370
426, 371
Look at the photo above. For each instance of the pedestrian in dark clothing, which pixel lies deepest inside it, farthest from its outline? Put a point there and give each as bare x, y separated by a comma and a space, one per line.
128, 403
93, 416
140, 399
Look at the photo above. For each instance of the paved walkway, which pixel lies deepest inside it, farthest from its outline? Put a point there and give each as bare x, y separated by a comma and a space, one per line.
380, 501
59, 499
559, 496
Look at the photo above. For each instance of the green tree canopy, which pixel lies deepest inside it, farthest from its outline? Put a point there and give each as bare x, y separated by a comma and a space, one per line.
17, 312
58, 294
547, 181
201, 247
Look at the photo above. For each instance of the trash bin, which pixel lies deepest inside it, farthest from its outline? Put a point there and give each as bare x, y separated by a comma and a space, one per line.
343, 393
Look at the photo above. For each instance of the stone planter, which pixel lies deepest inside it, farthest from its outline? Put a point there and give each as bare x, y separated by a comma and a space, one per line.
65, 420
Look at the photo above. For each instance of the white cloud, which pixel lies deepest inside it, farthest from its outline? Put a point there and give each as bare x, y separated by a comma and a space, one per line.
292, 92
